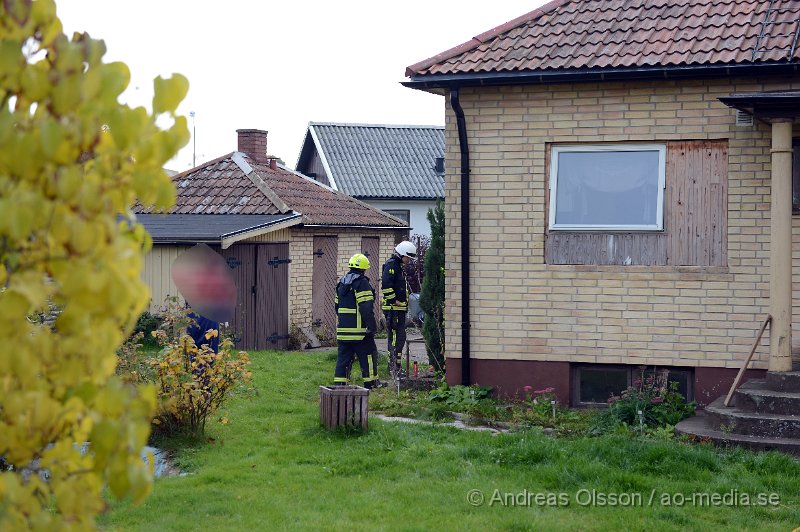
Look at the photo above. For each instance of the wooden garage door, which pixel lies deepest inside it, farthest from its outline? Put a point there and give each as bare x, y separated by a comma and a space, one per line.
261, 274
272, 296
323, 284
241, 261
371, 247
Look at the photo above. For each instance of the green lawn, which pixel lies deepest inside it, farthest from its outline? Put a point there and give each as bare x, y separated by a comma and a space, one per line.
273, 467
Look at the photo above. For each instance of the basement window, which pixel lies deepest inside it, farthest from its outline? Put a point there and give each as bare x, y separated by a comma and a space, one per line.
593, 384
607, 187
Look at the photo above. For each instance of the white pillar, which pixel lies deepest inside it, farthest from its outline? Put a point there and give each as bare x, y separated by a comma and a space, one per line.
780, 249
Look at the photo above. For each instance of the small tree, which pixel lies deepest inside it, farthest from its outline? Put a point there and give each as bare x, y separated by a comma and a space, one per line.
73, 160
415, 269
432, 296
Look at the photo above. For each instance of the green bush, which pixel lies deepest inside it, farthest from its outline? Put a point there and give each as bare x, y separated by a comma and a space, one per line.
146, 324
431, 298
460, 398
652, 395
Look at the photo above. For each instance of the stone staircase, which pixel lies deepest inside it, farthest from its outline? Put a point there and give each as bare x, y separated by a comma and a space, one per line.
764, 415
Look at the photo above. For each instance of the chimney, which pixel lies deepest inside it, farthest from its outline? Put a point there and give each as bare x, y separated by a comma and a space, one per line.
253, 143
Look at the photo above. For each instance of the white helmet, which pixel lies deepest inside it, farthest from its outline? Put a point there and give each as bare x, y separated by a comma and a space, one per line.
406, 249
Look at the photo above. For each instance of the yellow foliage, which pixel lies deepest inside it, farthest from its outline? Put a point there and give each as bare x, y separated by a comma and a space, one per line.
73, 160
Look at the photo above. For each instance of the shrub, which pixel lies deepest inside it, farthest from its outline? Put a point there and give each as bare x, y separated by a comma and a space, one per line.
132, 366
540, 402
193, 382
145, 325
73, 160
654, 396
460, 397
432, 296
415, 269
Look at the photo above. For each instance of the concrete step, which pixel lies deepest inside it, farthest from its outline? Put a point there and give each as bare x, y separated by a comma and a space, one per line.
736, 420
700, 428
753, 396
785, 381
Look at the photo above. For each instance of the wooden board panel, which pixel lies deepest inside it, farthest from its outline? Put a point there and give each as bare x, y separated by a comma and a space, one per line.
697, 203
646, 249
272, 297
323, 284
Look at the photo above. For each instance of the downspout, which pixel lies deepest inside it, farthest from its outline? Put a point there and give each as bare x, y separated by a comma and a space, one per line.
464, 148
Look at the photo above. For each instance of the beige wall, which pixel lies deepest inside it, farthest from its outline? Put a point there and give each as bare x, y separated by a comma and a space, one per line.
157, 273
524, 309
301, 250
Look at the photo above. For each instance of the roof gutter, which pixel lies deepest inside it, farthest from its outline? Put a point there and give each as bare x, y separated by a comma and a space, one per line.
386, 227
530, 77
465, 295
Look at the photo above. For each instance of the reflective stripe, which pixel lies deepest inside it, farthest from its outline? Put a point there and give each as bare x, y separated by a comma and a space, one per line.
373, 374
351, 329
349, 337
340, 379
388, 290
343, 310
364, 293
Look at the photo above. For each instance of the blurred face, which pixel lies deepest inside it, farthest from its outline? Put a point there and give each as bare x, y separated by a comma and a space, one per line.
406, 260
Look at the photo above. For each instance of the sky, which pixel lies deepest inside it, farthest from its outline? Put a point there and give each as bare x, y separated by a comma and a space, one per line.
278, 65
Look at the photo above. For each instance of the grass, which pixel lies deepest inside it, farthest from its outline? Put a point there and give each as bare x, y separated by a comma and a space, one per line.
273, 467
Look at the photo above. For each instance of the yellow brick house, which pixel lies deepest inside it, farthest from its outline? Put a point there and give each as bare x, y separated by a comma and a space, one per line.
620, 190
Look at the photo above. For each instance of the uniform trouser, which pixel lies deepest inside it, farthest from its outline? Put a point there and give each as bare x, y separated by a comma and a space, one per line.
396, 333
367, 353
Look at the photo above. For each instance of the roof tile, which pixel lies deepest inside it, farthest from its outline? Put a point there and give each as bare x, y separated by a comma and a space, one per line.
221, 187
583, 33
379, 161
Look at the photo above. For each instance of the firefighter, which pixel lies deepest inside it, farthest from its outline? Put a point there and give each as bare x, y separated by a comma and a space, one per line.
395, 300
355, 332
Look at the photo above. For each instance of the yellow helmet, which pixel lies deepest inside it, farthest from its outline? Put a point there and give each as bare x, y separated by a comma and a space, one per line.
359, 261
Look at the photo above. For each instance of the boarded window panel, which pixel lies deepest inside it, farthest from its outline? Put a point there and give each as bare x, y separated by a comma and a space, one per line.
695, 218
697, 206
630, 249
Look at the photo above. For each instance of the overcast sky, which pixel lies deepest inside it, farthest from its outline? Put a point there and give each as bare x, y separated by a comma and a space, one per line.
278, 65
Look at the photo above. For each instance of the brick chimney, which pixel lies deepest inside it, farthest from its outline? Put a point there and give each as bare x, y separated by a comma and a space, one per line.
253, 142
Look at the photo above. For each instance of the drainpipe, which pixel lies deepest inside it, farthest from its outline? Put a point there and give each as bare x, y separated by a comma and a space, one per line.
464, 148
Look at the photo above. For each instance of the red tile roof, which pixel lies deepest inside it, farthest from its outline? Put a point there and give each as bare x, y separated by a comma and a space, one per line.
236, 184
596, 34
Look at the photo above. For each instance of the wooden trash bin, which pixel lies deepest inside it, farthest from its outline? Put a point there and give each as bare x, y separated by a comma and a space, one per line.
343, 406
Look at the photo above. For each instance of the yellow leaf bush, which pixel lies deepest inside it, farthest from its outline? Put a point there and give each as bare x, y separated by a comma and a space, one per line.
73, 160
191, 382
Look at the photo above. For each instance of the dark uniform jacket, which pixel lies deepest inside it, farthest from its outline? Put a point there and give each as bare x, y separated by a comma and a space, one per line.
354, 307
393, 285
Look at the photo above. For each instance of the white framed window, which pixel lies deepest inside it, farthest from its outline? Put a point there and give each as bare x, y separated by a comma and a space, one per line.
607, 187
